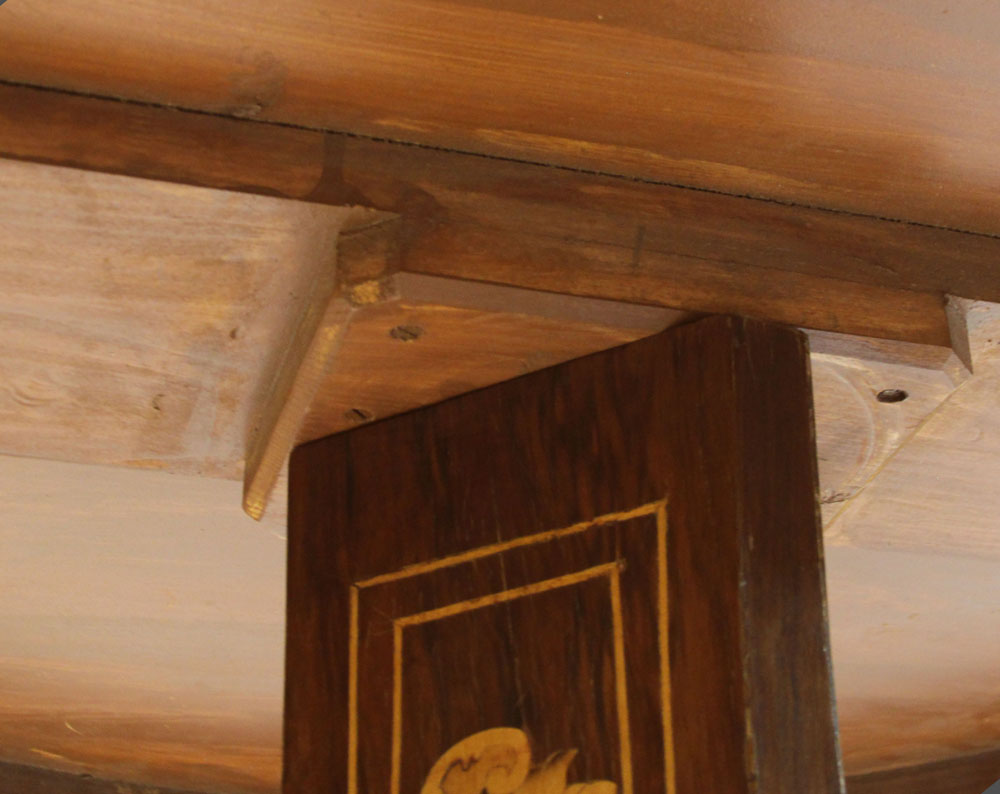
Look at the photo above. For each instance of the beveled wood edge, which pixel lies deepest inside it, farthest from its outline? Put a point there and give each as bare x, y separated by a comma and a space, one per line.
891, 351
308, 356
356, 280
973, 326
463, 293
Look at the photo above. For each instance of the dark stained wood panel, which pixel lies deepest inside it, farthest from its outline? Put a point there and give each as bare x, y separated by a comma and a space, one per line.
558, 591
637, 528
870, 107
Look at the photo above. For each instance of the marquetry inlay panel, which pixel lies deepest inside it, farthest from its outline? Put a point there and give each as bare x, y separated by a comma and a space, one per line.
502, 561
498, 761
540, 633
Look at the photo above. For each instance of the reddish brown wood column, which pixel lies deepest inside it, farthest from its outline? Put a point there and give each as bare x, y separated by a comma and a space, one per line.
617, 561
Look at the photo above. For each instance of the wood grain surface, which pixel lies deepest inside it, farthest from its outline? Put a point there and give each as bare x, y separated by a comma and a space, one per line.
159, 668
431, 338
139, 319
375, 348
542, 227
146, 326
935, 493
962, 775
865, 107
537, 489
35, 780
142, 617
970, 774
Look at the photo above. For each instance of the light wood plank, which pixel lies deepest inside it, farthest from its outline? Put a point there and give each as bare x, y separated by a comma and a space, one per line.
139, 318
434, 338
147, 326
142, 622
936, 493
863, 107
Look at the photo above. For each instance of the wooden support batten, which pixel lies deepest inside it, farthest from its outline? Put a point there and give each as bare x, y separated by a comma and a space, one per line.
533, 226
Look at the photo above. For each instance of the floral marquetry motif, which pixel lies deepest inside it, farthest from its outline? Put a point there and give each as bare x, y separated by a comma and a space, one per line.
493, 608
498, 761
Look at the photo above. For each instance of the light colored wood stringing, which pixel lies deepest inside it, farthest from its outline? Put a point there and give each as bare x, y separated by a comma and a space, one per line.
515, 543
609, 570
596, 572
663, 641
621, 680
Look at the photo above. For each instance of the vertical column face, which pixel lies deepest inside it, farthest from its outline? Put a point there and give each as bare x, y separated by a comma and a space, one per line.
604, 577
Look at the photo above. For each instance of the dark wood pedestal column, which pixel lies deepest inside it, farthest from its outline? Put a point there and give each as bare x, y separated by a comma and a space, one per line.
605, 576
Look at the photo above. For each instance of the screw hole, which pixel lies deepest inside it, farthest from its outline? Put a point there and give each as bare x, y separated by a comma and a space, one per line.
358, 415
406, 333
892, 395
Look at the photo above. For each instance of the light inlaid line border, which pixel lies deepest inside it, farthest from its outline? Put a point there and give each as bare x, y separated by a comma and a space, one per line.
621, 681
507, 545
663, 635
612, 570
